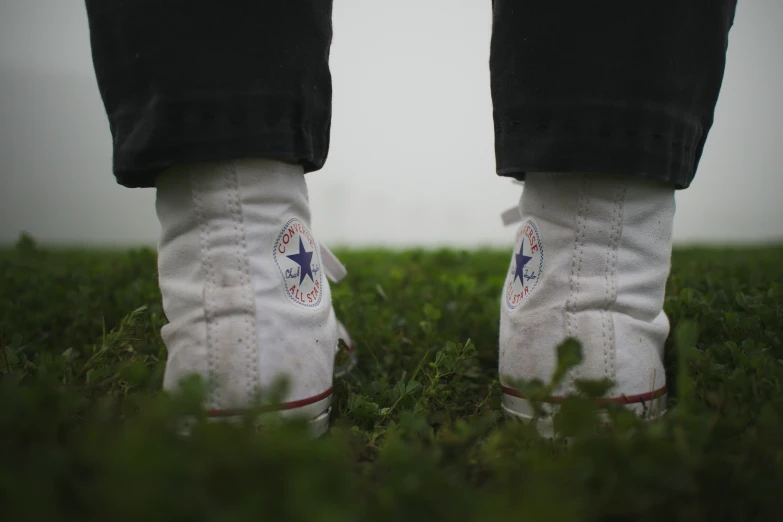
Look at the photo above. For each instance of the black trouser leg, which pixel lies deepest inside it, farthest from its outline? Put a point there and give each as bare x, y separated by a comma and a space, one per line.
187, 81
610, 86
614, 86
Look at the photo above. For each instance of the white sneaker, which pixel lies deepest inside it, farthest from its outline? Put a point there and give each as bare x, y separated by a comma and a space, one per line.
591, 260
244, 287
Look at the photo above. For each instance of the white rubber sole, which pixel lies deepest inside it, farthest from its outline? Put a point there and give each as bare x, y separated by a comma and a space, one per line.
315, 410
521, 409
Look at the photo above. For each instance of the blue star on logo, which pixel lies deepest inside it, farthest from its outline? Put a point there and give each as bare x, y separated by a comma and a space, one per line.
303, 259
522, 260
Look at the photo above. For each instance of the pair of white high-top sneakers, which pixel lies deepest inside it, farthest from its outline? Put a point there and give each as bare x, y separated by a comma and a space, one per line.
245, 289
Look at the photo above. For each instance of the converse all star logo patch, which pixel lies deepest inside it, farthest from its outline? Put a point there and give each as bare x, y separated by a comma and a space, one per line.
527, 265
297, 257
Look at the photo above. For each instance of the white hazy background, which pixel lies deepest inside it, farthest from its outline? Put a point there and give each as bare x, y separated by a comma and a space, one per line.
411, 160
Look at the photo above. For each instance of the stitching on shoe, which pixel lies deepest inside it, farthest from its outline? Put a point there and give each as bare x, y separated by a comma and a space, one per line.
579, 227
576, 262
245, 280
209, 276
605, 332
610, 287
607, 285
615, 263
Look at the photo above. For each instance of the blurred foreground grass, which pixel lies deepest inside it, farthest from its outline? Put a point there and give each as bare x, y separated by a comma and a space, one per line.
86, 434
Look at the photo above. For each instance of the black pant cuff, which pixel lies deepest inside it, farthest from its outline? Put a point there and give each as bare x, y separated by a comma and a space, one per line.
646, 141
162, 135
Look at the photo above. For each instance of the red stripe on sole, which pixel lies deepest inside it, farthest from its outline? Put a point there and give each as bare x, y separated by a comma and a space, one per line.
276, 407
623, 399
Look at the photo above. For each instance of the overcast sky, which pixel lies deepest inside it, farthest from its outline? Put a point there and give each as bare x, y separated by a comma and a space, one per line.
411, 160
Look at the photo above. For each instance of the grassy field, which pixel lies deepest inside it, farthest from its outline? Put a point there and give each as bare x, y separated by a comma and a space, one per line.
86, 434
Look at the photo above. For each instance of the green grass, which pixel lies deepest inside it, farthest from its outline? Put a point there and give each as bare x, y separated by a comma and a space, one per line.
86, 434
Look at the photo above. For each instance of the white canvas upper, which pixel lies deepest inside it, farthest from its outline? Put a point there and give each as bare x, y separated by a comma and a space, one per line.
243, 285
598, 273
